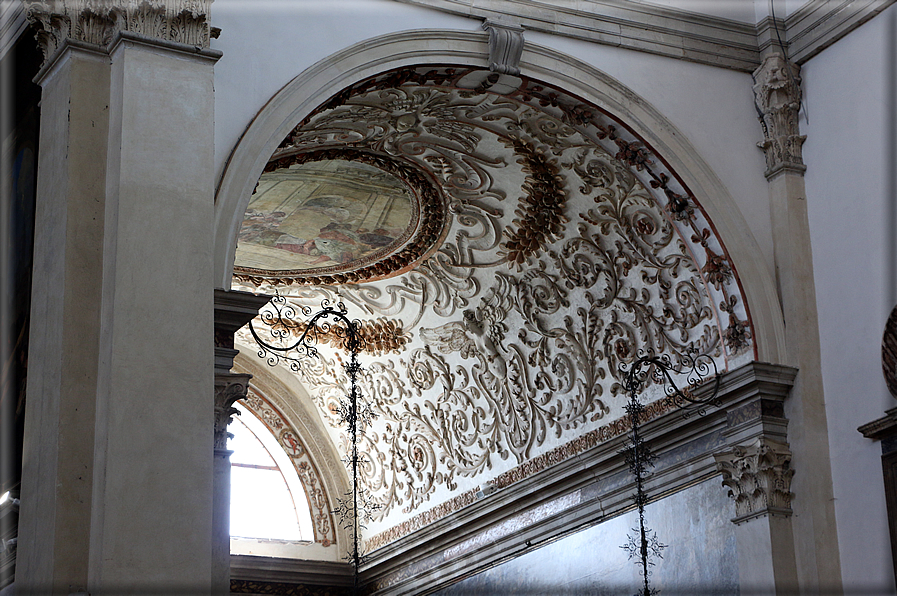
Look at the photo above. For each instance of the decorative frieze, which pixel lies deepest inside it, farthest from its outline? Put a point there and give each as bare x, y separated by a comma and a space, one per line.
229, 388
777, 96
97, 22
758, 477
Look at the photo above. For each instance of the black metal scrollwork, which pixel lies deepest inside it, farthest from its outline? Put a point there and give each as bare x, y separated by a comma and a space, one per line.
330, 324
695, 368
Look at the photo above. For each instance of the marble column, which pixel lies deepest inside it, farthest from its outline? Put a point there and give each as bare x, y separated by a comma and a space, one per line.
232, 310
777, 96
117, 469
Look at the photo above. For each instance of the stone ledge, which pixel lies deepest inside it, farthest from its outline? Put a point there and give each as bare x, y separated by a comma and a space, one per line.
581, 491
819, 23
294, 571
675, 33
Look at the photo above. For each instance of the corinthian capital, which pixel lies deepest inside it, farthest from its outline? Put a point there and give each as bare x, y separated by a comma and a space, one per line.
758, 477
777, 96
97, 21
229, 387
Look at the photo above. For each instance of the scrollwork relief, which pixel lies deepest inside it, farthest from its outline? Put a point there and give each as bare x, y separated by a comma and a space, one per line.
610, 254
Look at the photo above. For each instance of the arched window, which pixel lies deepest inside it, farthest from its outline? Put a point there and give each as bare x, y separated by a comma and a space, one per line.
267, 499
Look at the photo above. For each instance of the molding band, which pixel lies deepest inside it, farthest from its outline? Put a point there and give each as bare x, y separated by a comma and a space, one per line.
586, 489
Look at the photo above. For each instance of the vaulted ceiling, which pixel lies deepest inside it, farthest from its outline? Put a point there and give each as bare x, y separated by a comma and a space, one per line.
507, 247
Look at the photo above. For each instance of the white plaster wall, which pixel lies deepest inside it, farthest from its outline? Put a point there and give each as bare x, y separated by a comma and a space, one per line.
847, 156
267, 43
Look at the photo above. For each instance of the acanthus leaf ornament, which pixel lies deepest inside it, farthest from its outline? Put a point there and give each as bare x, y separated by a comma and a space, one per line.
758, 477
229, 388
777, 95
98, 21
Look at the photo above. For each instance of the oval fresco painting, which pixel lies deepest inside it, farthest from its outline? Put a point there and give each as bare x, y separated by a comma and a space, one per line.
324, 215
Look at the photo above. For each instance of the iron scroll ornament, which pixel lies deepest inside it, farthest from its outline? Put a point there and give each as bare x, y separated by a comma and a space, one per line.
644, 546
331, 324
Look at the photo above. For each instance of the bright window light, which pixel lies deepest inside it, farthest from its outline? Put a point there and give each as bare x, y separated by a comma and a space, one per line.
267, 499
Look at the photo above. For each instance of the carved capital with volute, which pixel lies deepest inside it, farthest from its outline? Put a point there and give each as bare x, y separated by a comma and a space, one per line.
229, 388
777, 95
758, 477
505, 46
97, 22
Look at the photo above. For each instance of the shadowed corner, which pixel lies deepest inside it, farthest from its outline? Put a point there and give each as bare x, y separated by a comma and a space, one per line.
891, 158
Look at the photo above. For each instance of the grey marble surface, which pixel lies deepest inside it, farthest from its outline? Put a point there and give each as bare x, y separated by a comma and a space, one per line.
700, 557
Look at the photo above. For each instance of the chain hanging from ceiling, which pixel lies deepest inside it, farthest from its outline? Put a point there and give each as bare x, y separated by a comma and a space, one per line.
330, 324
644, 545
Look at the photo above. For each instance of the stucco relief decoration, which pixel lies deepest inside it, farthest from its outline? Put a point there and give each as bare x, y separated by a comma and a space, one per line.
758, 477
568, 247
777, 95
97, 21
288, 438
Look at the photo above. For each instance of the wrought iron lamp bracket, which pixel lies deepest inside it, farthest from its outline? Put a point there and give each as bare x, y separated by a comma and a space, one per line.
333, 325
648, 367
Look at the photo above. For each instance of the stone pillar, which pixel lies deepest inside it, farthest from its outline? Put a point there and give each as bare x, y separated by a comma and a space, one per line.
117, 470
232, 311
229, 388
777, 96
758, 477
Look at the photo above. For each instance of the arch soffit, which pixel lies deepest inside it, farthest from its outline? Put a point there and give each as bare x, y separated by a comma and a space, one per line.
319, 82
283, 391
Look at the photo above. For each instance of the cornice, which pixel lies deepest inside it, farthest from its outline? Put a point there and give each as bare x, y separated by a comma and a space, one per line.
624, 23
642, 27
819, 23
881, 429
675, 33
12, 24
585, 489
253, 568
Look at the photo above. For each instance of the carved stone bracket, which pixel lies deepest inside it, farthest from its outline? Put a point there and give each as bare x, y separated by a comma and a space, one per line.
758, 477
505, 47
97, 21
777, 96
232, 311
229, 388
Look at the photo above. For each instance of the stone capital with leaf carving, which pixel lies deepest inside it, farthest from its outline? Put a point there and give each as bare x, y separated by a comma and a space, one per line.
229, 388
777, 95
97, 22
758, 477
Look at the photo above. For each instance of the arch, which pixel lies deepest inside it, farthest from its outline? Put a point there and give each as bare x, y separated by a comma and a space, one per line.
277, 390
324, 79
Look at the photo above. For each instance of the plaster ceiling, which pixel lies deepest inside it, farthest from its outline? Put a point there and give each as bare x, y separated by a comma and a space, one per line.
559, 246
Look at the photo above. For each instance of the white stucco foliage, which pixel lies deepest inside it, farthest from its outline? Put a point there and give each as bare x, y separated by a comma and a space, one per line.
712, 107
